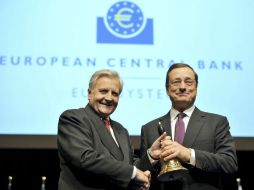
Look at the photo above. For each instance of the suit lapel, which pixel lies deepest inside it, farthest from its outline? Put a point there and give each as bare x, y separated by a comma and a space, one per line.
166, 123
105, 137
193, 128
123, 145
109, 142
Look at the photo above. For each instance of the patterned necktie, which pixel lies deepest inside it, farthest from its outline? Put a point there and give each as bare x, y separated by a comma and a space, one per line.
180, 128
107, 124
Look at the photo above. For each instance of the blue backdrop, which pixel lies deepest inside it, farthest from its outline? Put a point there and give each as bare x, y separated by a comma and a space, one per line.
49, 49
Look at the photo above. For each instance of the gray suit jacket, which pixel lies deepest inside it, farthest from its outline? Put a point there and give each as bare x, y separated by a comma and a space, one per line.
208, 134
89, 157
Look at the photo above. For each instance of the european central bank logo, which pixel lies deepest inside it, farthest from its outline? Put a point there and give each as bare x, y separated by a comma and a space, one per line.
124, 24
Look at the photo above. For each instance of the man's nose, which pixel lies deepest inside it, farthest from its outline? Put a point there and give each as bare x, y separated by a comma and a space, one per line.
108, 96
182, 85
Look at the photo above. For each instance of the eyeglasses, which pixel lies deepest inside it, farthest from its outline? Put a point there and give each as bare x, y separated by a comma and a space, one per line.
177, 83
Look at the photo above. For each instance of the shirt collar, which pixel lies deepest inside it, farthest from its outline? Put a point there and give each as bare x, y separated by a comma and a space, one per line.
188, 112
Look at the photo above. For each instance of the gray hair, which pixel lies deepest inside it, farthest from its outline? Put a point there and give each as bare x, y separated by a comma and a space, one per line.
105, 73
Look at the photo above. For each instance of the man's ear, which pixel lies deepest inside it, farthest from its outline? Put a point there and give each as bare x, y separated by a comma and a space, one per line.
89, 93
168, 92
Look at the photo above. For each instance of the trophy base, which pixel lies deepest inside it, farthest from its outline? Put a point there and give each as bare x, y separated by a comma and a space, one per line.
173, 175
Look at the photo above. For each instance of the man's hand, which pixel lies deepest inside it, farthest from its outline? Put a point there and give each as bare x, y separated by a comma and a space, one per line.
171, 149
142, 179
155, 150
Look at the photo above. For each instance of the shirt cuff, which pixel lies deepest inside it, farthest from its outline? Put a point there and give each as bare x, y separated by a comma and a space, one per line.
151, 159
192, 157
134, 172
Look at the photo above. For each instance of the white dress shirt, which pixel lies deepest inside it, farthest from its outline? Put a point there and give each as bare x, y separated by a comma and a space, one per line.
173, 118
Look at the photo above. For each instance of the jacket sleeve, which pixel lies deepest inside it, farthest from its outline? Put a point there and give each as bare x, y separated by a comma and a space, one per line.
219, 156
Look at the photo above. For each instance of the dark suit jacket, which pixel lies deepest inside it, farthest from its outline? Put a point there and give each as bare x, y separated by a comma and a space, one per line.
89, 157
208, 134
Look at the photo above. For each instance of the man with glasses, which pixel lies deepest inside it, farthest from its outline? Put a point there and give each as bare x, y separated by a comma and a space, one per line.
205, 146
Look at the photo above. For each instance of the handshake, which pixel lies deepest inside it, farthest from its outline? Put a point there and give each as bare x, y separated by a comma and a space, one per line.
141, 180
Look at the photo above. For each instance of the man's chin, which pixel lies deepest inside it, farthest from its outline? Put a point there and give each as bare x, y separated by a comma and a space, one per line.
106, 112
183, 104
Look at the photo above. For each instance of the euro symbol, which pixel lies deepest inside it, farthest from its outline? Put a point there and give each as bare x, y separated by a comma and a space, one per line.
120, 18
